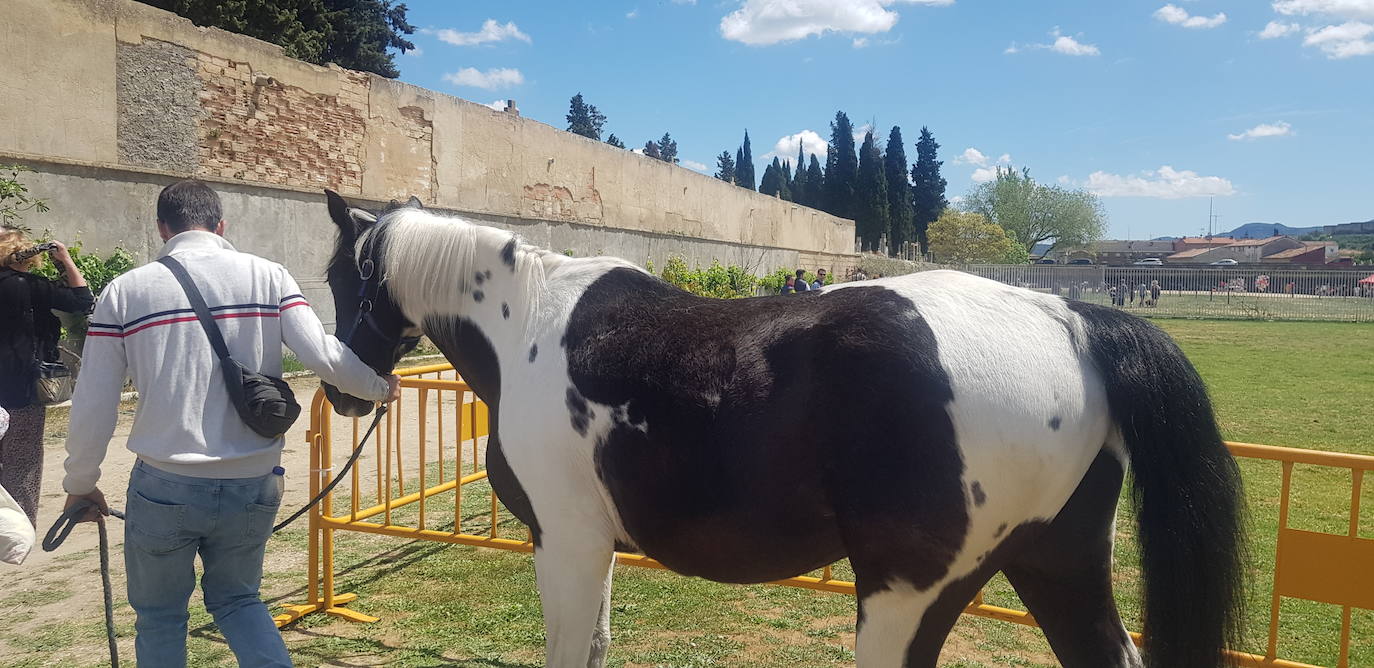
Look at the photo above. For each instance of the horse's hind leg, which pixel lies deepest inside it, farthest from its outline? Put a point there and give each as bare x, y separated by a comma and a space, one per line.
1065, 575
601, 636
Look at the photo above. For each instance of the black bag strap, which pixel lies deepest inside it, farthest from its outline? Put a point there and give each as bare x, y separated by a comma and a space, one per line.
207, 322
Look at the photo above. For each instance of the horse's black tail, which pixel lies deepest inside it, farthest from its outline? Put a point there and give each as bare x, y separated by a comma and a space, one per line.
1186, 490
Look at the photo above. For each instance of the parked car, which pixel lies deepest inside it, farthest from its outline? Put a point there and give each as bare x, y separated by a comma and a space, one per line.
1081, 260
1045, 260
1228, 262
1150, 261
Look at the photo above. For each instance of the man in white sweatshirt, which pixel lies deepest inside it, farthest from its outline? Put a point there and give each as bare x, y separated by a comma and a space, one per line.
205, 483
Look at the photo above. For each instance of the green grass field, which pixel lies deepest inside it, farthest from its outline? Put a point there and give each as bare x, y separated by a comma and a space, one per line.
1307, 385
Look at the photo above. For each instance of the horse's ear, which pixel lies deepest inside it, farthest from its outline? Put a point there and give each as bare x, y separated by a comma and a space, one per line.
350, 220
415, 203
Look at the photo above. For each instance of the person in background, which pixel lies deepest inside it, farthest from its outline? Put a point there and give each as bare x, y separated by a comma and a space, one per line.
1154, 293
28, 336
205, 483
820, 280
789, 286
800, 282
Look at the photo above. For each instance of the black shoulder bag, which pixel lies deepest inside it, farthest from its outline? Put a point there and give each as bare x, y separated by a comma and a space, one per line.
265, 403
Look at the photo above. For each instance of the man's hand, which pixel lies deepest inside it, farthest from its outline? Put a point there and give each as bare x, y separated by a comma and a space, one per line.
96, 498
393, 383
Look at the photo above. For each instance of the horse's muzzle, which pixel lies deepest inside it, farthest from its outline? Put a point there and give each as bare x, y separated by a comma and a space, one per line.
347, 405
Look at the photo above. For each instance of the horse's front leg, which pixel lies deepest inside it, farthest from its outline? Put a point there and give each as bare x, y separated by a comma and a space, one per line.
573, 568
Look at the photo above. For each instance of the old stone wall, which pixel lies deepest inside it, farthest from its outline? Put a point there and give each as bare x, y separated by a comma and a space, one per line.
115, 88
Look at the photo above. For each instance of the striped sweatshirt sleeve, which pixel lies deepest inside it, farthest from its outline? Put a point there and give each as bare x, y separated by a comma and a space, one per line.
95, 404
304, 334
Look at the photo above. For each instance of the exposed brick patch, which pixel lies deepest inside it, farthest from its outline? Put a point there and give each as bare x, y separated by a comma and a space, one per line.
156, 91
272, 133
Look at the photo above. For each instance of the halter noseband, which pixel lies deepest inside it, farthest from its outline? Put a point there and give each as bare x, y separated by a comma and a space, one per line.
368, 290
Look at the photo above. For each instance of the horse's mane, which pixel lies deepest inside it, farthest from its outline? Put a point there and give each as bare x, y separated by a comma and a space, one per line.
430, 268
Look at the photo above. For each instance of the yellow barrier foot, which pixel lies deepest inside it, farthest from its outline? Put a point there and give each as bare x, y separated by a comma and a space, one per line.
295, 612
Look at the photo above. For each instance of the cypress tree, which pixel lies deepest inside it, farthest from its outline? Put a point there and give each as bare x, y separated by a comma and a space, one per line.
667, 149
799, 178
651, 150
725, 167
615, 141
898, 192
775, 181
815, 183
744, 165
927, 187
842, 168
870, 210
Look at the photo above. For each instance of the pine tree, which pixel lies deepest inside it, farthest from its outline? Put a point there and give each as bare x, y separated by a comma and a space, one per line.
842, 168
615, 141
815, 183
927, 187
667, 149
584, 119
744, 165
898, 192
725, 167
768, 185
870, 195
651, 150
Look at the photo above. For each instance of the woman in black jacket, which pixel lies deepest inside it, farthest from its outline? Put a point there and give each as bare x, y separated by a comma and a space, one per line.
28, 335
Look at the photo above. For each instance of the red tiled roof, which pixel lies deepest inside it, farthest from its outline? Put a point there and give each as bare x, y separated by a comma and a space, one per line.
1206, 240
1256, 242
1191, 252
1293, 252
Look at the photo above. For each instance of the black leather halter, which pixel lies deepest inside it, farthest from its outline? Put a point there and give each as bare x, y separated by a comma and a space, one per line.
368, 290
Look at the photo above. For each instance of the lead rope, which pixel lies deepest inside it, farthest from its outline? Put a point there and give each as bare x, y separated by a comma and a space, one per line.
68, 521
59, 532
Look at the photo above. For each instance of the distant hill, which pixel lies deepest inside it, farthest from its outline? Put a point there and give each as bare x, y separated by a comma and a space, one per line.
1265, 230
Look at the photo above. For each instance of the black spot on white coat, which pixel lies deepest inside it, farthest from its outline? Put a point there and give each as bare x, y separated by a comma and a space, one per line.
478, 295
581, 414
722, 432
505, 311
508, 254
534, 352
979, 497
1055, 422
479, 278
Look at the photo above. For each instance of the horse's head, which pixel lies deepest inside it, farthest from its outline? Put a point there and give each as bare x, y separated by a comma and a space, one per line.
368, 321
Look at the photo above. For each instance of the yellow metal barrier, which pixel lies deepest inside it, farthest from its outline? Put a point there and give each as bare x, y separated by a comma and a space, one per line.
1327, 568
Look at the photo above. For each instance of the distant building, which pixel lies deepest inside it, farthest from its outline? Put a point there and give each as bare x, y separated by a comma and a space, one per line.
1245, 251
1189, 243
1128, 252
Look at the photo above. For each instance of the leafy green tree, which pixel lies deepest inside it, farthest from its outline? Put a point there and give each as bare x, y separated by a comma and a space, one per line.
725, 167
667, 149
15, 199
355, 34
615, 141
967, 238
775, 181
870, 195
842, 168
584, 119
1032, 213
651, 150
927, 187
744, 165
899, 211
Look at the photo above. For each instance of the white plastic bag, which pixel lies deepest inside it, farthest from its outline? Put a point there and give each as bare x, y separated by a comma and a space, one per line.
16, 534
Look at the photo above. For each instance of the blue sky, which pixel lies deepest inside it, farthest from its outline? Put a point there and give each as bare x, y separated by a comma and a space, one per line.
1267, 106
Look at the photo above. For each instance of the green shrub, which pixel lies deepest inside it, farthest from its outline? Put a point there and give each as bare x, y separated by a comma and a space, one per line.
715, 281
97, 270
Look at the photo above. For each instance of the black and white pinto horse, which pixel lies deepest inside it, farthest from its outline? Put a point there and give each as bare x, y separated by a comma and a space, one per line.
934, 428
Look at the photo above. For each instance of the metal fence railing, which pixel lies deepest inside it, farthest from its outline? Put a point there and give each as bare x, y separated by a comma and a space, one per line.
1241, 292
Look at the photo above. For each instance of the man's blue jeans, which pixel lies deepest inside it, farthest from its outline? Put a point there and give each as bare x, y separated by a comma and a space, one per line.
169, 519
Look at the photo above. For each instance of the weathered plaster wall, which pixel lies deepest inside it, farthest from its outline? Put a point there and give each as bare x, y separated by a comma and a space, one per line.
105, 85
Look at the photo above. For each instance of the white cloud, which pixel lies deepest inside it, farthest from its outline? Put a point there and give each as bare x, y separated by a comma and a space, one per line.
633, 13
860, 42
1179, 17
684, 2
984, 174
1163, 183
1275, 29
1344, 40
1279, 129
956, 200
499, 105
501, 77
415, 52
764, 22
491, 32
971, 156
786, 147
1062, 43
1348, 9
694, 165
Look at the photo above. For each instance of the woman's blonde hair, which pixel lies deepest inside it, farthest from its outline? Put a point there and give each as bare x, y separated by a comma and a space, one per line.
12, 240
